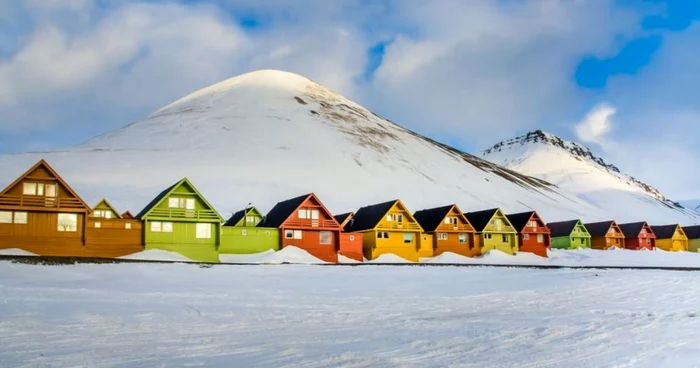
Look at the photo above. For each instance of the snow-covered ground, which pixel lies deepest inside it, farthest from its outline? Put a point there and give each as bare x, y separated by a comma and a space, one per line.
177, 315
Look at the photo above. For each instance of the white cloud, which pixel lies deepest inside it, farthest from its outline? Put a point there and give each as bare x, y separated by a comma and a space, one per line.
596, 125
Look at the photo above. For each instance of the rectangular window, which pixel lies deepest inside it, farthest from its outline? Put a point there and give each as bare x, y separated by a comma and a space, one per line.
107, 214
98, 225
289, 234
583, 241
203, 231
40, 189
173, 202
314, 214
540, 238
408, 238
648, 241
127, 226
326, 237
383, 235
156, 226
297, 234
97, 213
399, 218
526, 236
390, 217
462, 238
505, 238
499, 224
442, 236
167, 227
189, 203
67, 222
250, 219
455, 221
50, 190
448, 220
303, 214
29, 189
487, 236
20, 217
5, 217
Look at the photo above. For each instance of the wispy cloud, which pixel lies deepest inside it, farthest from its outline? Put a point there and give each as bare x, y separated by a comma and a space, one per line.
596, 125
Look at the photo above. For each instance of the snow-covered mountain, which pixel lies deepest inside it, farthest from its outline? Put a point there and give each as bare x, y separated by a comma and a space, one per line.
574, 168
693, 204
268, 135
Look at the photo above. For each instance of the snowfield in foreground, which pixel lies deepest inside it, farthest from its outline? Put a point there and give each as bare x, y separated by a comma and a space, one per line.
175, 315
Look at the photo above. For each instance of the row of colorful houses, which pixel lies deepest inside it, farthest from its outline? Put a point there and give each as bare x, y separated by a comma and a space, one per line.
40, 213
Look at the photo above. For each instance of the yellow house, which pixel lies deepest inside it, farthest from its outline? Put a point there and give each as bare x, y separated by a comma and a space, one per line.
693, 234
494, 231
671, 238
389, 228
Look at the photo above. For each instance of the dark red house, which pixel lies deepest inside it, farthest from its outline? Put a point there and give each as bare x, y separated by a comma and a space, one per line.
533, 234
638, 235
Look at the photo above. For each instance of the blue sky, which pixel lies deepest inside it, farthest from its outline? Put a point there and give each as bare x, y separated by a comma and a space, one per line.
469, 73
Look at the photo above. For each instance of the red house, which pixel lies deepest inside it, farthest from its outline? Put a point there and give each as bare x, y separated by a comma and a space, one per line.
533, 234
638, 235
350, 243
304, 222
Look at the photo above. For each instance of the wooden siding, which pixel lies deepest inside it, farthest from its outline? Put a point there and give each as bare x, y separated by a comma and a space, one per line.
503, 238
644, 240
351, 246
678, 243
613, 238
451, 241
535, 239
40, 235
248, 240
398, 233
109, 238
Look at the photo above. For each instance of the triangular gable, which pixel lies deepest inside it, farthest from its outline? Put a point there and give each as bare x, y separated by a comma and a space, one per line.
431, 219
170, 190
565, 228
127, 215
681, 232
313, 198
598, 229
237, 219
41, 164
282, 211
481, 219
106, 203
403, 207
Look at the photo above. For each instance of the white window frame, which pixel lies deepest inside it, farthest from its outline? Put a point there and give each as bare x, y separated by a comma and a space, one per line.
108, 214
29, 188
24, 220
442, 236
62, 228
390, 217
6, 217
315, 214
410, 241
298, 234
540, 238
303, 214
173, 202
167, 227
352, 237
487, 236
462, 238
448, 220
329, 235
127, 226
289, 234
156, 227
203, 230
190, 204
526, 236
98, 224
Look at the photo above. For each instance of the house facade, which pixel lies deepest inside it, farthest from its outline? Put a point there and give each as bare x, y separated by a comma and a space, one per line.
242, 235
670, 238
389, 228
494, 231
181, 220
693, 234
605, 235
40, 213
638, 236
109, 234
569, 235
533, 235
350, 243
450, 231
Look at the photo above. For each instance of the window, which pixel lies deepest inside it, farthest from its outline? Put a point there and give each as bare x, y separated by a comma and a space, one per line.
97, 213
29, 189
20, 217
244, 232
203, 231
68, 222
98, 225
526, 236
250, 219
173, 202
408, 238
442, 236
390, 217
189, 203
352, 237
462, 238
107, 214
5, 217
648, 241
455, 221
383, 235
505, 238
540, 238
326, 237
314, 214
583, 241
303, 214
487, 236
499, 224
176, 202
399, 218
448, 220
156, 226
167, 227
50, 190
532, 223
289, 234
297, 234
127, 226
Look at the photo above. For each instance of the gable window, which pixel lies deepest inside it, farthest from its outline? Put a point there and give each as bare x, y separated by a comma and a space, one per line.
448, 220
167, 227
29, 188
303, 214
326, 237
390, 217
39, 189
67, 222
505, 238
526, 236
540, 238
98, 225
532, 223
203, 231
499, 224
408, 238
399, 218
442, 236
5, 217
462, 238
107, 214
127, 226
20, 217
250, 219
314, 214
178, 202
156, 226
289, 234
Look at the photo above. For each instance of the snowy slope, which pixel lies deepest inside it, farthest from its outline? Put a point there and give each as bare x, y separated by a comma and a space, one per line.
575, 169
693, 204
268, 135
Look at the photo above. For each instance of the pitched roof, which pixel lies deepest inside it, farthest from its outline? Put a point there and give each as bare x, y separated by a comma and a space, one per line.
109, 205
238, 216
562, 228
282, 210
597, 229
342, 217
693, 232
664, 231
127, 215
480, 219
520, 220
169, 190
632, 229
368, 217
430, 219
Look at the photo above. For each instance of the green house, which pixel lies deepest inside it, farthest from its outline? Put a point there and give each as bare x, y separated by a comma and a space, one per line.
241, 234
181, 220
569, 235
104, 209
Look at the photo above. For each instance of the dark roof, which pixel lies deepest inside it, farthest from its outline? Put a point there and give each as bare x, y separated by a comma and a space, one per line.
480, 219
632, 229
597, 229
562, 228
519, 220
693, 232
238, 216
369, 216
431, 218
282, 211
664, 231
342, 217
155, 200
127, 215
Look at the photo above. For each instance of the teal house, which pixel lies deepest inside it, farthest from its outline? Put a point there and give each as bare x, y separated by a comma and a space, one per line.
181, 220
242, 235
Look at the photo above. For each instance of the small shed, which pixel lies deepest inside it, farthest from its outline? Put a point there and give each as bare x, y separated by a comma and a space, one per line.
109, 234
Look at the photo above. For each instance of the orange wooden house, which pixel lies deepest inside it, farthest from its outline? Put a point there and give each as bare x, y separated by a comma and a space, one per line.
450, 230
109, 234
533, 234
40, 213
351, 243
305, 222
605, 235
638, 235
